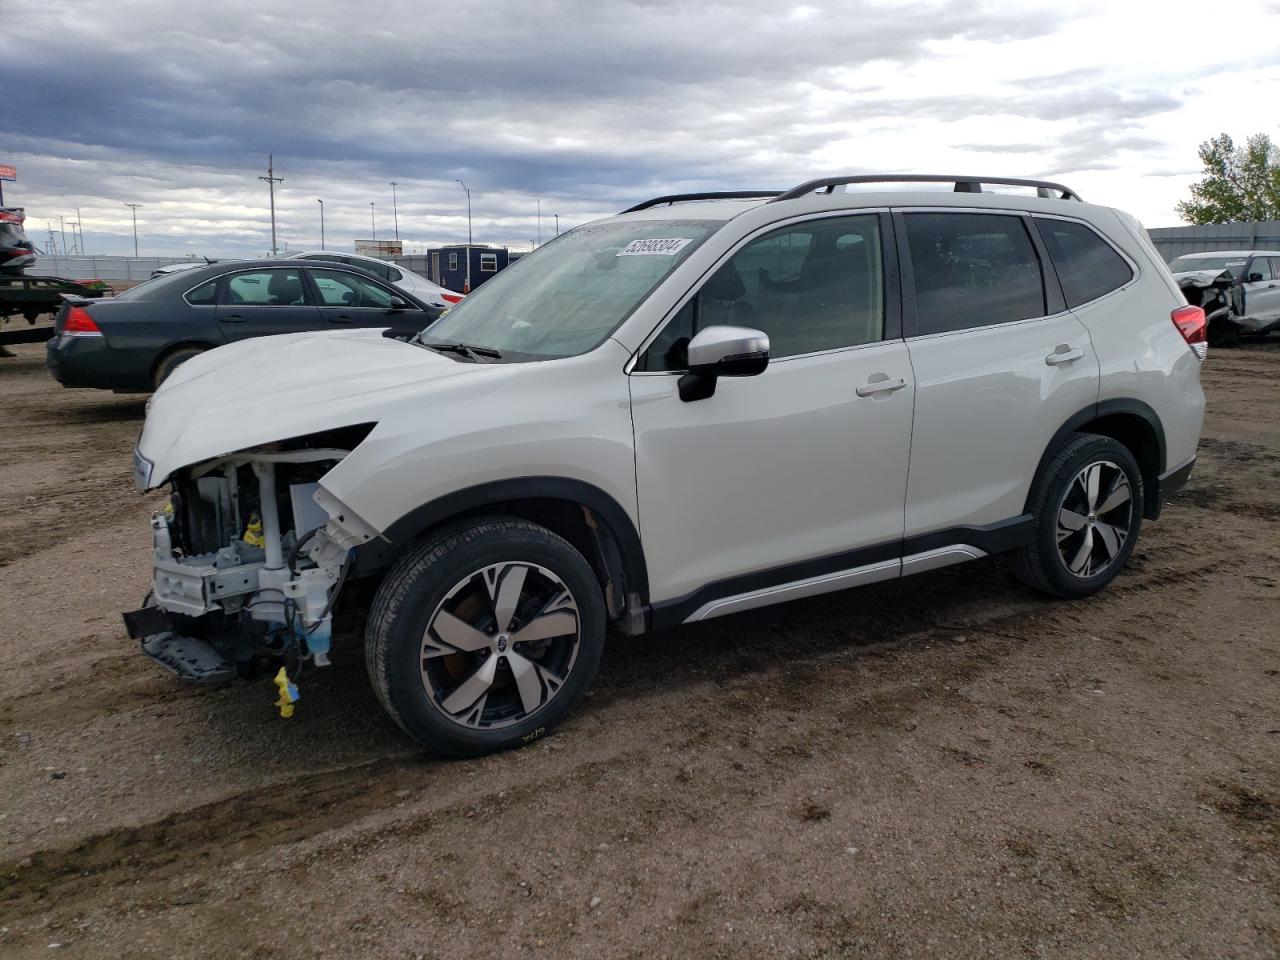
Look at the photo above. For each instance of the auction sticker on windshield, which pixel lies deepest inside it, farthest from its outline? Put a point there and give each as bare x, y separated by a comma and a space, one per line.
655, 247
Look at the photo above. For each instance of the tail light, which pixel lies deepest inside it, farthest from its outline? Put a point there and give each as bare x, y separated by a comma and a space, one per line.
451, 297
1193, 326
80, 324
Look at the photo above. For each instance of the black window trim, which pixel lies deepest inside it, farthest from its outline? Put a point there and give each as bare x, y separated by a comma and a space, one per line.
890, 286
910, 326
217, 296
1134, 270
224, 285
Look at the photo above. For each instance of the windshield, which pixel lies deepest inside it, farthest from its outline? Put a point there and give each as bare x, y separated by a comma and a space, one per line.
1230, 263
566, 297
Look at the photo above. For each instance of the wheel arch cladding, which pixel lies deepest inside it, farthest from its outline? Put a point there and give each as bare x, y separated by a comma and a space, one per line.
1130, 422
590, 519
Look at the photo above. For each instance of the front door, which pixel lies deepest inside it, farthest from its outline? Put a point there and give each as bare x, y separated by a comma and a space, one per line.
349, 300
790, 482
265, 301
1000, 365
1260, 285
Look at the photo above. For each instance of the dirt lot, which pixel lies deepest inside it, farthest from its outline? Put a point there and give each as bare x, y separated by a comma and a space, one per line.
945, 766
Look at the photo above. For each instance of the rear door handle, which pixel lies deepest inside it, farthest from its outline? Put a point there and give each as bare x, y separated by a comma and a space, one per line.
1063, 353
234, 318
880, 383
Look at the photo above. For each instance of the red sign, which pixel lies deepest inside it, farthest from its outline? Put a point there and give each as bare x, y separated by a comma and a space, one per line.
7, 172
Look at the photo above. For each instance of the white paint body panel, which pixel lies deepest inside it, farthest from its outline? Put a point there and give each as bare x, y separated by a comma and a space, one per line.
774, 469
987, 405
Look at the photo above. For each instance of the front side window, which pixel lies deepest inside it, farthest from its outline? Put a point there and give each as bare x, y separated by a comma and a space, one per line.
1259, 269
1087, 265
339, 289
267, 288
811, 287
972, 270
567, 296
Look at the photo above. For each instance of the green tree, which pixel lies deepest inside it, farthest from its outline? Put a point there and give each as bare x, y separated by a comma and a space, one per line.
1240, 183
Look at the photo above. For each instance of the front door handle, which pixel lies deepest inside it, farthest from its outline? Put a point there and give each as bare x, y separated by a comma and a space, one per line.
340, 319
234, 318
1063, 353
880, 383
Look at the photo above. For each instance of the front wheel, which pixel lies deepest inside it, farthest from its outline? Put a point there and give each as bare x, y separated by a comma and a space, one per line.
486, 636
1088, 511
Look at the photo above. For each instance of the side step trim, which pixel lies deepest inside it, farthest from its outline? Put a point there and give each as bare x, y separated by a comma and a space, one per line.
811, 587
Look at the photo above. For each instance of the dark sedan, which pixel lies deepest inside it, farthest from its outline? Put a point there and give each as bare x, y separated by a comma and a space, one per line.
130, 343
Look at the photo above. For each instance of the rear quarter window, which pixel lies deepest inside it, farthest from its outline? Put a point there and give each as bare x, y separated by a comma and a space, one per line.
1087, 265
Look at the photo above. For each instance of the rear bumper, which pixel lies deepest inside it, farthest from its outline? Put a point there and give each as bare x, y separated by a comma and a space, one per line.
88, 361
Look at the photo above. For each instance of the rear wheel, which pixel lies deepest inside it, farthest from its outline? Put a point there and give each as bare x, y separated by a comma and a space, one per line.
486, 636
171, 361
1088, 511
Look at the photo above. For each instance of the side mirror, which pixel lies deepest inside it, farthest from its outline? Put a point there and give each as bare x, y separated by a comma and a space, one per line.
1255, 277
722, 352
398, 304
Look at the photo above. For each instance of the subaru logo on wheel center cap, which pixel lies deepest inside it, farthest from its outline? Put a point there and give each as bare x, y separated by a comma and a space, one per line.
502, 642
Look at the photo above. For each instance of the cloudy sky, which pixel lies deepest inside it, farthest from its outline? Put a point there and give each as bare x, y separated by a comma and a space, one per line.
592, 106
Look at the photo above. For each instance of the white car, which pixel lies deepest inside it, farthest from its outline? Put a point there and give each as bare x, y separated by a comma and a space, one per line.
1255, 283
419, 286
704, 405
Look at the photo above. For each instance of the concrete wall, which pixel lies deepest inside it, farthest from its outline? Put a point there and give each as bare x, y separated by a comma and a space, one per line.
135, 269
1175, 241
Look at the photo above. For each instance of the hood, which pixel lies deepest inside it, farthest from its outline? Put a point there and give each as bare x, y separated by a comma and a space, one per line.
1202, 278
267, 389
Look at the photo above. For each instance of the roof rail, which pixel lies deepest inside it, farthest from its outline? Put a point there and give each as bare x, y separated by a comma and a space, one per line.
1044, 188
715, 195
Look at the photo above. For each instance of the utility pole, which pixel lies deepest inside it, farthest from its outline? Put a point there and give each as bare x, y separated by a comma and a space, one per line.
373, 226
557, 224
321, 202
62, 227
468, 190
80, 230
395, 212
134, 207
272, 180
539, 221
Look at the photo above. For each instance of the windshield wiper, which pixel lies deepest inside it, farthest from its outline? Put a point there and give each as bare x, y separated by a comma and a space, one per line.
472, 353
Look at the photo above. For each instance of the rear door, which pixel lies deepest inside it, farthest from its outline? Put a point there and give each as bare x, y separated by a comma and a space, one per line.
999, 364
265, 301
350, 300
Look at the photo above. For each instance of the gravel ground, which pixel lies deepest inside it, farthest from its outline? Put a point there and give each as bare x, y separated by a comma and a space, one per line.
945, 766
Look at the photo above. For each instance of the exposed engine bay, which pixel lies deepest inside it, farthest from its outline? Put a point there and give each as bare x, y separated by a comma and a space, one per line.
248, 563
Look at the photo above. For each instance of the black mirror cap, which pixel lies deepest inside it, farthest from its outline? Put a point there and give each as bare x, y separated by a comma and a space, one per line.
398, 304
1255, 277
700, 382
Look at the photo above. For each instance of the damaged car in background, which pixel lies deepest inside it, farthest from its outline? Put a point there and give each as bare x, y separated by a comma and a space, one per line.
1239, 290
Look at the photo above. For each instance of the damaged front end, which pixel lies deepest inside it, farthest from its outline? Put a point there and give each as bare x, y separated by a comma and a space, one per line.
1211, 290
250, 556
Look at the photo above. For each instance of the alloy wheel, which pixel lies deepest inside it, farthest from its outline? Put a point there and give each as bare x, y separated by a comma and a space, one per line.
500, 645
1094, 519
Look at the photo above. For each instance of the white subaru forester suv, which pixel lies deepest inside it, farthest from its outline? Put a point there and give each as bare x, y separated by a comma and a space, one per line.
707, 404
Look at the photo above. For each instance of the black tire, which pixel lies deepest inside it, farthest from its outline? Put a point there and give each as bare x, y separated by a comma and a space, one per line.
407, 676
171, 361
1046, 566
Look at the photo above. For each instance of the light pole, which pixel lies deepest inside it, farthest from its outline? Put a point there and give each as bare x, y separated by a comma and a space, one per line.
373, 226
321, 202
80, 229
468, 191
134, 207
557, 224
395, 211
539, 221
272, 180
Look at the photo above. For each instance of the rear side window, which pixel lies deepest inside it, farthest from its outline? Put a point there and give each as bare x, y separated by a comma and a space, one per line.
204, 295
972, 270
1087, 265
